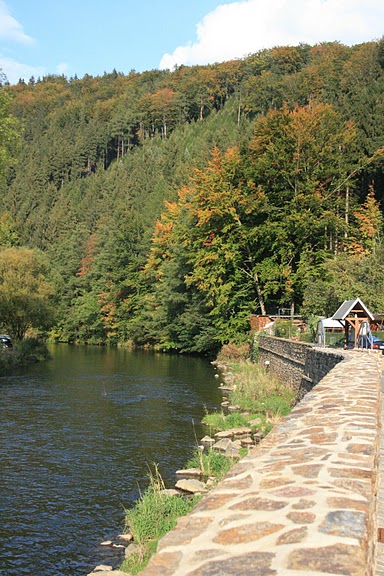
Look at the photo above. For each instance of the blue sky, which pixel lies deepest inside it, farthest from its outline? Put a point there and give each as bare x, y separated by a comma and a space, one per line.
39, 37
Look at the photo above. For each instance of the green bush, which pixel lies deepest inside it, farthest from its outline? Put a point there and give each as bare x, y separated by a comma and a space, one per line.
255, 345
25, 352
7, 360
378, 334
32, 347
306, 337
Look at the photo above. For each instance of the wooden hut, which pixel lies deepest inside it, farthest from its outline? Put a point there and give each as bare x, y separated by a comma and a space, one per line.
352, 314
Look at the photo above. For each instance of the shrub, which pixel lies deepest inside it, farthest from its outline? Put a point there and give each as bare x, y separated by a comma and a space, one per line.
306, 337
7, 360
25, 352
32, 347
232, 351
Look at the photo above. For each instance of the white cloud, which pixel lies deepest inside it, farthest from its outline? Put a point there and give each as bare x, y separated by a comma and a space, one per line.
240, 28
62, 68
15, 70
10, 28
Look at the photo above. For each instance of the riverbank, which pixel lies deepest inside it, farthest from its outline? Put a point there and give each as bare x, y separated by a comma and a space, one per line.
253, 401
24, 353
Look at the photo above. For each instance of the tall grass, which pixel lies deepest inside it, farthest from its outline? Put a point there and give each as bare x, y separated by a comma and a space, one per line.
220, 421
257, 390
211, 463
153, 515
257, 393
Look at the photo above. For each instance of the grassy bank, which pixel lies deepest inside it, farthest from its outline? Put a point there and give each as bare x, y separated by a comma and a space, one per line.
153, 515
258, 397
24, 353
157, 512
255, 394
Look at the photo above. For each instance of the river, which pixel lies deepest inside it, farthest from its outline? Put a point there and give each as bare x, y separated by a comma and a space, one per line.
77, 434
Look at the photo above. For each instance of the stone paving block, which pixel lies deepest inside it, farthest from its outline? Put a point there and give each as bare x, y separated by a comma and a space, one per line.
348, 523
246, 533
255, 564
258, 503
163, 564
294, 536
336, 559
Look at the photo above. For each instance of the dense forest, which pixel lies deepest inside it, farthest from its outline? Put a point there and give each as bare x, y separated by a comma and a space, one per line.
163, 208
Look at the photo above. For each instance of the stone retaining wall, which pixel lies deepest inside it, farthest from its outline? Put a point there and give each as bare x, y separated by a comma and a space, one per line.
303, 502
299, 364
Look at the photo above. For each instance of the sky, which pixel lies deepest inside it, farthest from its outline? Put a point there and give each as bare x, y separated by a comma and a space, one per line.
77, 37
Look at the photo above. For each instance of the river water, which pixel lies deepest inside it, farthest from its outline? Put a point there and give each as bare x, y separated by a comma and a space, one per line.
77, 434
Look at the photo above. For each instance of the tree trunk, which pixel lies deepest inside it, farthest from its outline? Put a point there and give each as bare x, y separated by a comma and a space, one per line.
346, 212
239, 110
255, 277
259, 294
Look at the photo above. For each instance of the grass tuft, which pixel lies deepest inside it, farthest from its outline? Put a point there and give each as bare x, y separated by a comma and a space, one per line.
211, 463
153, 515
217, 421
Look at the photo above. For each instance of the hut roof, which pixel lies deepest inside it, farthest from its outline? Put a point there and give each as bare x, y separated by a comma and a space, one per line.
355, 306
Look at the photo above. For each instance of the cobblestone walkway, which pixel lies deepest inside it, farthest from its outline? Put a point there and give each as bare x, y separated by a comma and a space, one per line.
303, 501
380, 546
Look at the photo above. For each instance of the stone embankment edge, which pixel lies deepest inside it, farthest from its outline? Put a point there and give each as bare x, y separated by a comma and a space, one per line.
302, 501
299, 364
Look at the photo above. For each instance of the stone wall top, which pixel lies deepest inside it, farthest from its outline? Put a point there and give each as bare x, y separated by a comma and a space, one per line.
303, 501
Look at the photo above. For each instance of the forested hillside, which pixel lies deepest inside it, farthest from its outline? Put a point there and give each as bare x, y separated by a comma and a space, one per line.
166, 207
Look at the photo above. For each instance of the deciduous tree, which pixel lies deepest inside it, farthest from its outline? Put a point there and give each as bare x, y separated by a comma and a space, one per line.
25, 292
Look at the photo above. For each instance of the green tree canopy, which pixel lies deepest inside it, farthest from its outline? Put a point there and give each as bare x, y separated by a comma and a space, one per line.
10, 130
273, 156
25, 292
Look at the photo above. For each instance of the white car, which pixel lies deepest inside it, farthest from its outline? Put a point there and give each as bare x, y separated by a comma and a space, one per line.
5, 341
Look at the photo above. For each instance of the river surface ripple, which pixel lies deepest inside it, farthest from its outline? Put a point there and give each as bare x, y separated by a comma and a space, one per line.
77, 434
